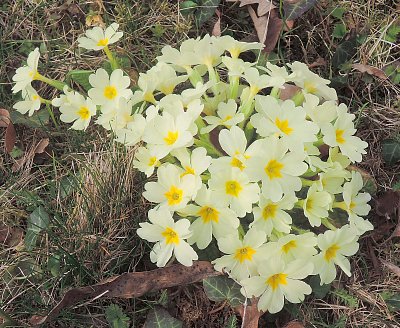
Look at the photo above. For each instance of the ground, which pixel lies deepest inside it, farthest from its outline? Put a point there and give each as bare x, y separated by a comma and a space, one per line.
92, 239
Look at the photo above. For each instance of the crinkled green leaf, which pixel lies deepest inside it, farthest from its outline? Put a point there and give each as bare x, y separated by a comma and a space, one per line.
338, 12
391, 151
392, 300
319, 290
187, 7
38, 220
116, 317
81, 77
37, 120
53, 265
344, 51
205, 10
160, 318
339, 31
222, 288
295, 8
232, 322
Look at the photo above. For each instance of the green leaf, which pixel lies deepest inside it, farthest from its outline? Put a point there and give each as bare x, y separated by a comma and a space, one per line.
116, 317
392, 300
344, 51
319, 290
339, 31
231, 322
160, 318
391, 151
81, 77
392, 33
222, 288
294, 9
67, 185
393, 73
38, 220
338, 12
396, 186
37, 120
350, 300
187, 7
158, 30
205, 10
53, 265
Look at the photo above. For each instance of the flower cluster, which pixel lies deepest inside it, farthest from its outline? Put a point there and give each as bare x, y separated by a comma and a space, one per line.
233, 160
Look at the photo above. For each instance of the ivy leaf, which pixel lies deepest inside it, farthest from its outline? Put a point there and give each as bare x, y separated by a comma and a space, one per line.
38, 220
295, 8
37, 120
392, 300
116, 317
319, 290
205, 10
391, 151
345, 51
231, 322
160, 318
81, 77
339, 31
222, 288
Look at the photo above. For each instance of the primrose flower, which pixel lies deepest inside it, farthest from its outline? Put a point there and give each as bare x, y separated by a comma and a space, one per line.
116, 115
97, 39
278, 281
243, 256
232, 187
335, 246
284, 120
167, 78
227, 116
258, 82
75, 108
169, 237
173, 189
234, 47
277, 169
235, 66
332, 178
132, 133
109, 88
316, 205
311, 82
277, 72
271, 215
31, 101
212, 219
292, 247
319, 113
26, 74
341, 134
146, 160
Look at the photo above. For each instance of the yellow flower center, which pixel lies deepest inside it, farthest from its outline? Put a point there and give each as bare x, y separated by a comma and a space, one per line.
309, 204
244, 253
167, 89
170, 235
288, 246
254, 90
276, 280
273, 169
102, 42
152, 161
352, 205
149, 97
84, 113
174, 195
238, 163
235, 52
310, 87
171, 137
330, 253
34, 75
269, 211
209, 214
283, 126
188, 170
233, 188
110, 92
35, 97
339, 136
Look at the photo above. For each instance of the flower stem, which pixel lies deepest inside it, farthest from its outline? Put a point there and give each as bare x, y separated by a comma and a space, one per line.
111, 58
51, 113
328, 224
298, 98
54, 83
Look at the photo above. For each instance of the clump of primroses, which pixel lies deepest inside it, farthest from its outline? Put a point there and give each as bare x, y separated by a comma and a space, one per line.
234, 159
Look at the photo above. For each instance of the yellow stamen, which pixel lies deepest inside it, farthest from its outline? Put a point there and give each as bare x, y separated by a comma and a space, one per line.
276, 280
273, 169
283, 126
330, 253
310, 87
269, 211
102, 42
152, 161
288, 246
171, 137
209, 214
238, 163
233, 188
35, 97
339, 136
188, 170
245, 253
170, 235
110, 92
309, 204
174, 195
83, 113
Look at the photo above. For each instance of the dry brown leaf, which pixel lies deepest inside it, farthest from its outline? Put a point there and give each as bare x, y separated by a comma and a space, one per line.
393, 268
370, 70
250, 314
28, 156
10, 236
387, 203
294, 324
289, 91
4, 118
133, 284
318, 62
10, 138
264, 6
217, 26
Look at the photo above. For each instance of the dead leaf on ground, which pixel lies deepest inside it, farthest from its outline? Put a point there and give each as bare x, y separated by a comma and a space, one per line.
133, 284
217, 26
318, 63
370, 70
264, 6
4, 118
387, 203
10, 236
250, 314
393, 268
293, 324
28, 156
10, 138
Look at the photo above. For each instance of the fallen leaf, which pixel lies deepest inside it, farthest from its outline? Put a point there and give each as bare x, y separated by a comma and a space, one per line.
293, 324
10, 236
264, 6
217, 26
288, 25
295, 8
289, 91
38, 149
10, 138
370, 70
4, 118
387, 203
393, 268
318, 62
133, 284
250, 314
